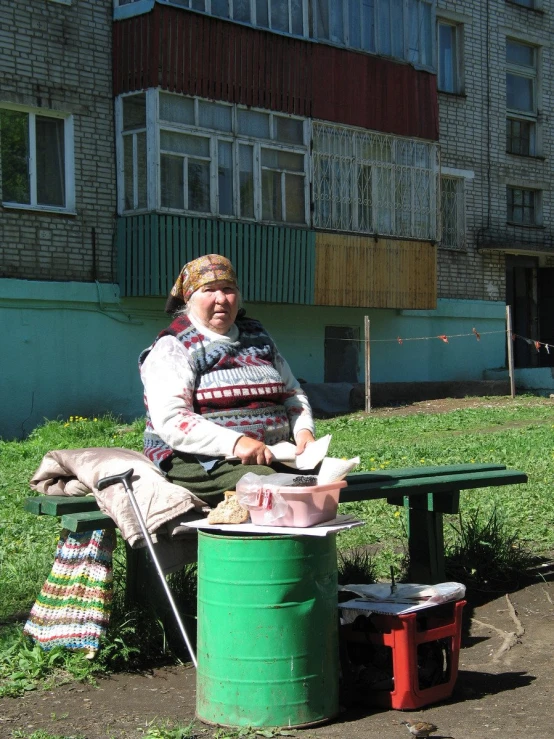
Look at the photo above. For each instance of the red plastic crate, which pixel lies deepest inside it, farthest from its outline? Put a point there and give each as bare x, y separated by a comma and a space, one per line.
433, 633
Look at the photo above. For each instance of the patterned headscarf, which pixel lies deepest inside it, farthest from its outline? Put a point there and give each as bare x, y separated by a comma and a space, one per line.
201, 271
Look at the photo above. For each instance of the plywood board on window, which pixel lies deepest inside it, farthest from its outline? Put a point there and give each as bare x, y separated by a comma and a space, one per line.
359, 271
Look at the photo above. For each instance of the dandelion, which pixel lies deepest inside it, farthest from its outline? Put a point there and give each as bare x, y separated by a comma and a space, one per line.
95, 420
71, 418
397, 514
65, 425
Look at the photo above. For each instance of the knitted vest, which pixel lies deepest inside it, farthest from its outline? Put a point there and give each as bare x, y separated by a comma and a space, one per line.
237, 385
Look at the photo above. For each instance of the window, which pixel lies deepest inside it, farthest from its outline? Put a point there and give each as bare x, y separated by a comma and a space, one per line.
285, 16
523, 206
214, 159
397, 28
134, 151
36, 156
402, 29
449, 62
420, 30
521, 98
520, 137
374, 183
452, 212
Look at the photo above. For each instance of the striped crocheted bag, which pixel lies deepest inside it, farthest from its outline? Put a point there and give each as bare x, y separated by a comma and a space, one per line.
73, 607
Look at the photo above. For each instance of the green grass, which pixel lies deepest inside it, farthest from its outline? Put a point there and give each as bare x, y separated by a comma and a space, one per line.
29, 542
519, 434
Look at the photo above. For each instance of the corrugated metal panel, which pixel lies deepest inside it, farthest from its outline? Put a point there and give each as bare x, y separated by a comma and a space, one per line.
375, 93
196, 54
360, 272
274, 264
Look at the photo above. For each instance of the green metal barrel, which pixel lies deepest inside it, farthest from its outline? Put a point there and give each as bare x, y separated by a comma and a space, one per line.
267, 630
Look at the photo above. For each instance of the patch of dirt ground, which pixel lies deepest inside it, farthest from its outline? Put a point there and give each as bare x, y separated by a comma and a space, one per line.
505, 688
447, 405
505, 685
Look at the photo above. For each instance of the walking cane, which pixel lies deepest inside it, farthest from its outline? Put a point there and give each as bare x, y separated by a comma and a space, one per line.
125, 479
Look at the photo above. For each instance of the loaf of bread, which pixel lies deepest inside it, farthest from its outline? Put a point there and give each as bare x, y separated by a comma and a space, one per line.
229, 510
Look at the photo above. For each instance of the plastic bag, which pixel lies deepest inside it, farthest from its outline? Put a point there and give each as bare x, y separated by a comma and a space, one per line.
262, 493
332, 469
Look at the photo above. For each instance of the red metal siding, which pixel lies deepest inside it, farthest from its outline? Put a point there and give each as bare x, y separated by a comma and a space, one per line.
195, 54
373, 92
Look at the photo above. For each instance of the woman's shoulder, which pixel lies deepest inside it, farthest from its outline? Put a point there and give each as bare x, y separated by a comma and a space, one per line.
248, 324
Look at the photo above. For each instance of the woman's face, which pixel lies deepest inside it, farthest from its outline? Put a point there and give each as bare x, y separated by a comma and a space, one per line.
216, 305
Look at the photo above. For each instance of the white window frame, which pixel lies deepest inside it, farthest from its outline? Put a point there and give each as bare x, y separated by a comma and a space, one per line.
253, 14
530, 73
69, 160
120, 157
154, 127
457, 65
389, 177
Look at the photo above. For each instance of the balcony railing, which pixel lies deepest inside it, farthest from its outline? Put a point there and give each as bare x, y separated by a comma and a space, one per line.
520, 239
275, 264
402, 31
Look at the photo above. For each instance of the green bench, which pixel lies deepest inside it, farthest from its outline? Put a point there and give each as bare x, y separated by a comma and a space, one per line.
426, 492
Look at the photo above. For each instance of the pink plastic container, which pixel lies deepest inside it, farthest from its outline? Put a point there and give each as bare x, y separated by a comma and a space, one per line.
307, 506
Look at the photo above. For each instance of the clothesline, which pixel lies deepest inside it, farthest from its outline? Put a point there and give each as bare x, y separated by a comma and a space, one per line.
446, 337
534, 342
442, 337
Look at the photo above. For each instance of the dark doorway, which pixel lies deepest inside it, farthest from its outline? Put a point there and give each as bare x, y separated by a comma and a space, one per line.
546, 315
522, 296
341, 353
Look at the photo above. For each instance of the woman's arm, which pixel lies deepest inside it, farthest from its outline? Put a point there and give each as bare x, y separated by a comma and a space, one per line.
169, 381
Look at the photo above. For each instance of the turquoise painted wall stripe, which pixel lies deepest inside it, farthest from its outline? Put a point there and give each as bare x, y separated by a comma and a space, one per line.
274, 263
36, 316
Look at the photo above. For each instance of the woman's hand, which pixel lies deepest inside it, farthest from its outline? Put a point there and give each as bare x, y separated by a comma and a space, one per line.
250, 451
303, 438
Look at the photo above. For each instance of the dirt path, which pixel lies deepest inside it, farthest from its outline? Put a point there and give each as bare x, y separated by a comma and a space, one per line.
505, 688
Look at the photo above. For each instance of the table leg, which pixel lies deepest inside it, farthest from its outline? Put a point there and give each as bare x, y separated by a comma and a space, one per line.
426, 536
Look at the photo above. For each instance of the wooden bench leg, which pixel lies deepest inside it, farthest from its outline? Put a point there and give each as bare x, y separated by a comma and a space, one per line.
425, 546
426, 536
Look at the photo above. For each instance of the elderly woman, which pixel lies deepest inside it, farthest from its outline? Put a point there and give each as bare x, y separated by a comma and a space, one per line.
217, 387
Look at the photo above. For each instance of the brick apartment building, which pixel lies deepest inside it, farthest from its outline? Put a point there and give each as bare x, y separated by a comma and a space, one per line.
496, 103
387, 159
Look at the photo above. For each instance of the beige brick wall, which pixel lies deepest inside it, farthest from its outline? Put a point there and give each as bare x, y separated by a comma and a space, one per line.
472, 136
58, 56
